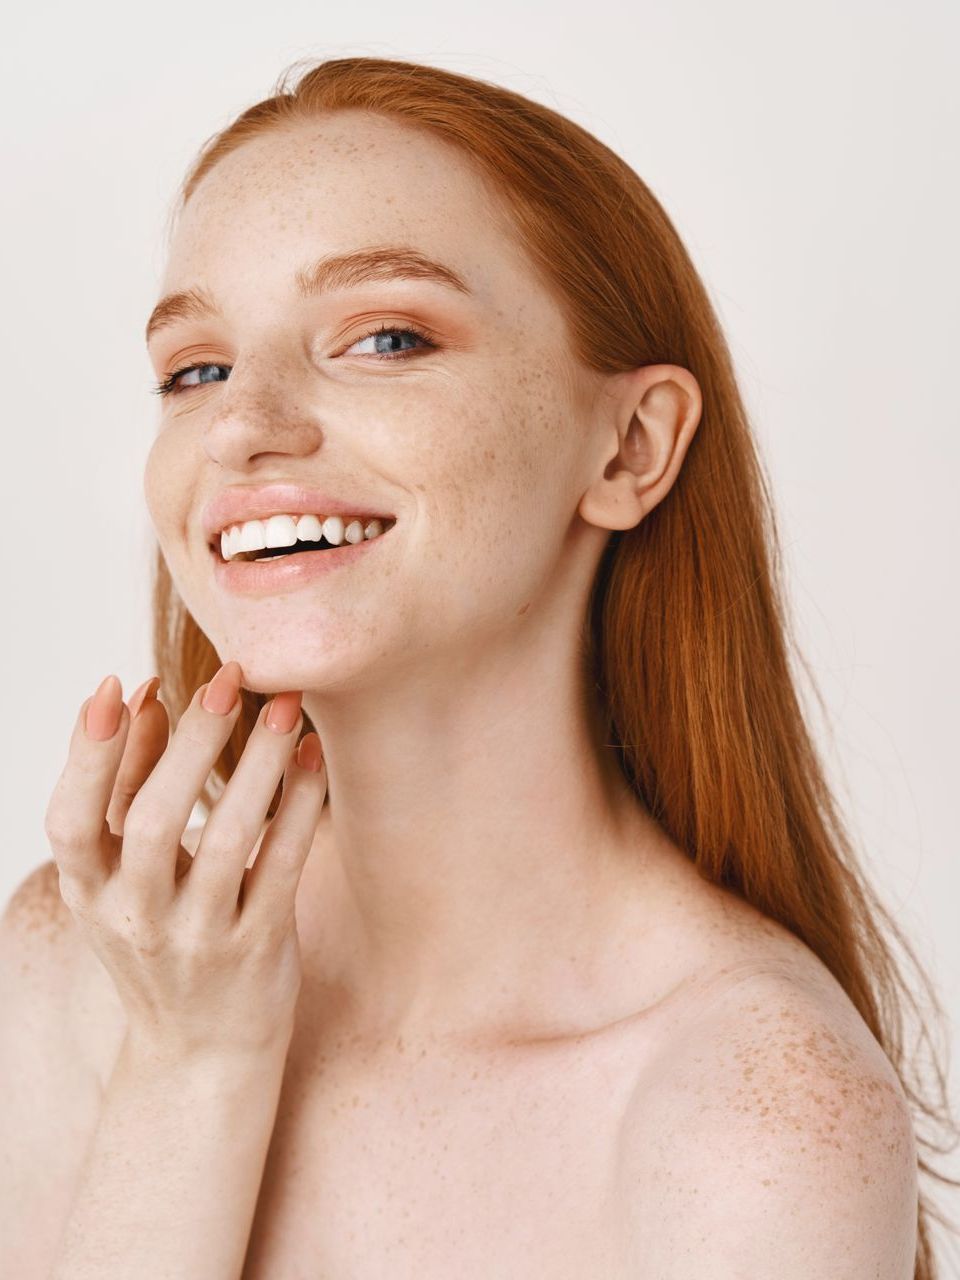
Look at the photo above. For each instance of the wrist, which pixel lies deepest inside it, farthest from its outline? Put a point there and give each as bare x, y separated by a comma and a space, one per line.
143, 1054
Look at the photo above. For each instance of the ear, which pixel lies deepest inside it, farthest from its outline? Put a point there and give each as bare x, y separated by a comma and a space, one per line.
655, 410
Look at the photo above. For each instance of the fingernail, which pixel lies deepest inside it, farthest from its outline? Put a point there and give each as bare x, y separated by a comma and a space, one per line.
103, 711
284, 711
222, 691
309, 753
147, 690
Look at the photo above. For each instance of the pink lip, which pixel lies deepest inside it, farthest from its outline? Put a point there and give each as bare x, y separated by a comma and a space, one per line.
286, 573
234, 505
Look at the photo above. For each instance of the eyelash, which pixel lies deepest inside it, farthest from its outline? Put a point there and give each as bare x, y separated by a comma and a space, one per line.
170, 384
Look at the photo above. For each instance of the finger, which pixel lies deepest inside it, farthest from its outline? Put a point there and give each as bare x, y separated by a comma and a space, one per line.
270, 887
159, 813
146, 743
75, 822
237, 819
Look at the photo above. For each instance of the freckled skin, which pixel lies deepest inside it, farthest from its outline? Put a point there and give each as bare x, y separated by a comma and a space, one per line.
475, 435
476, 826
507, 965
809, 1127
38, 905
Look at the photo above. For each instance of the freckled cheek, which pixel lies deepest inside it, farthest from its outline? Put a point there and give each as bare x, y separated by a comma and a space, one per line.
473, 463
460, 516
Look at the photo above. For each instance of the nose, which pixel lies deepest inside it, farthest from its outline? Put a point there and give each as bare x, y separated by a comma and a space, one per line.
261, 411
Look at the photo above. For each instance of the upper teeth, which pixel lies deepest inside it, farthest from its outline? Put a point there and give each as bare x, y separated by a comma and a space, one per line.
285, 531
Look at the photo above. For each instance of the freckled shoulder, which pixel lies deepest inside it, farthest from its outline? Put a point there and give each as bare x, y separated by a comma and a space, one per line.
90, 1017
775, 1138
38, 908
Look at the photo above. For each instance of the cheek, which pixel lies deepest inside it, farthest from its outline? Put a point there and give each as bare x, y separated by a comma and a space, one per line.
166, 490
496, 453
490, 481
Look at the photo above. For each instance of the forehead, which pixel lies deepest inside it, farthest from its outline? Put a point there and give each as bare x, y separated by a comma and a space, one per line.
341, 182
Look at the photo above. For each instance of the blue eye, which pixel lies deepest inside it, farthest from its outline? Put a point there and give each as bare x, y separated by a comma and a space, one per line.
174, 382
391, 350
179, 380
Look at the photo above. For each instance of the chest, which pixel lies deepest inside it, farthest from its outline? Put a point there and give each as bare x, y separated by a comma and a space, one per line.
427, 1165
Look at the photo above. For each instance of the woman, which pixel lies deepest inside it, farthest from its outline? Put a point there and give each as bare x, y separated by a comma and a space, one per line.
572, 974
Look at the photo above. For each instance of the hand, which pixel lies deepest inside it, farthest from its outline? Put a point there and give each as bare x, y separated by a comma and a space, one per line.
203, 951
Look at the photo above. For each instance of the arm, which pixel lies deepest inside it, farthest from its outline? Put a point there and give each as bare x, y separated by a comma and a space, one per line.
156, 1176
170, 1182
204, 956
49, 1092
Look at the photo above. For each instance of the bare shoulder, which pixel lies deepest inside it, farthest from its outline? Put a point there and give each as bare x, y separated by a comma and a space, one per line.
48, 956
773, 1137
35, 903
43, 971
38, 927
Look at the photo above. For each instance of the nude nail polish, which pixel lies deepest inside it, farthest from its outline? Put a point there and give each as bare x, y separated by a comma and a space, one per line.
284, 711
103, 711
309, 753
222, 691
140, 695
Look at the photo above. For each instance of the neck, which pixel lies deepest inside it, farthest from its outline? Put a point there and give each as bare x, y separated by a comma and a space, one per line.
478, 861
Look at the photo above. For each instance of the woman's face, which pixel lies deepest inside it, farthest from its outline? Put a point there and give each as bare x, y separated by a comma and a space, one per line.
475, 444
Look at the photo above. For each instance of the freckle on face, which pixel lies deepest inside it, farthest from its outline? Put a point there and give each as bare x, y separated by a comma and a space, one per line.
458, 447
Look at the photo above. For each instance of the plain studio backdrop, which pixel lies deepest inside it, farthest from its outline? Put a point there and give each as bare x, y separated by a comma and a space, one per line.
808, 158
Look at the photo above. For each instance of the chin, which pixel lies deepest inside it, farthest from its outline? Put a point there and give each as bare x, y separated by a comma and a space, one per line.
276, 667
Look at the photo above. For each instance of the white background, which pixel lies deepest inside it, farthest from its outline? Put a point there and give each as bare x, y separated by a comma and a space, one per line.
808, 157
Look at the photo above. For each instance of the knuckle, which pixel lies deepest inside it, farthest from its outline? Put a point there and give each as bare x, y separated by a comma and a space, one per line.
286, 848
222, 839
146, 939
130, 928
144, 824
63, 834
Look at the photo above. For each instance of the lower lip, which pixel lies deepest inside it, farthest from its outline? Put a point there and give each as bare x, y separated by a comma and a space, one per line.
286, 573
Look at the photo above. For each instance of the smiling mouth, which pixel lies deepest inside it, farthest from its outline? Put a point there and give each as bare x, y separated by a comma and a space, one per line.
296, 548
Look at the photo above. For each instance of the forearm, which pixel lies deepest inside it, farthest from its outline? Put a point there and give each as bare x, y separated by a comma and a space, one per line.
170, 1182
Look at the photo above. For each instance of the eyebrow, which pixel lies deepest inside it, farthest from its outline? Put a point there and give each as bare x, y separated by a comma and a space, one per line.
335, 271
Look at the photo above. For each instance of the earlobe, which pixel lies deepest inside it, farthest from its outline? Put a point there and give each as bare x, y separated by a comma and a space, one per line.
657, 409
614, 502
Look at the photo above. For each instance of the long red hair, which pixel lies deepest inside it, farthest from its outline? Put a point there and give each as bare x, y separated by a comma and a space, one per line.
687, 641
